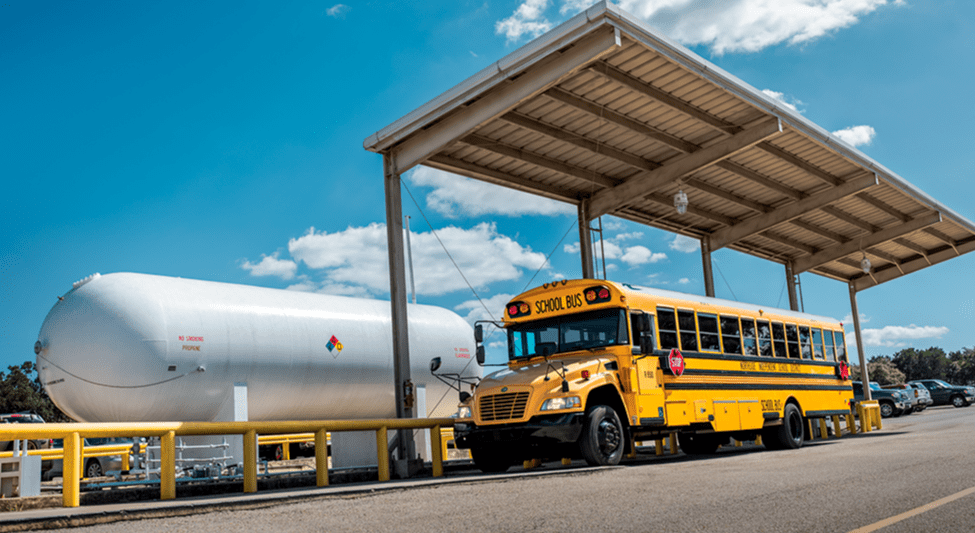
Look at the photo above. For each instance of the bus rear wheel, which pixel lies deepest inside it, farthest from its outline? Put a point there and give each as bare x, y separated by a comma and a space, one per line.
790, 435
603, 437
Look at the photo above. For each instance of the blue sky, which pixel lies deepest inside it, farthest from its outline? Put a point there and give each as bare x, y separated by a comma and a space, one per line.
223, 141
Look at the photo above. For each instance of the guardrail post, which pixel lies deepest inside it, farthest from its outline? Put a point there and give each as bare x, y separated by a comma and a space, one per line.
382, 452
250, 461
836, 426
436, 452
321, 457
71, 465
286, 450
167, 466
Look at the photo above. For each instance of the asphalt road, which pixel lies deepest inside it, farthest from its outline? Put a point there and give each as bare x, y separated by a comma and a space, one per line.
837, 485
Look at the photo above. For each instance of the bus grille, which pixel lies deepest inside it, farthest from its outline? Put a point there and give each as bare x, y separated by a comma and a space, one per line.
503, 406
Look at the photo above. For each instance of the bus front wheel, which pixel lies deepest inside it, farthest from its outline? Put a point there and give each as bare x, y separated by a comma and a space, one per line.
603, 437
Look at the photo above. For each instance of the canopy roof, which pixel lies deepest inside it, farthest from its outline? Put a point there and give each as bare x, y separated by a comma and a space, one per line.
605, 113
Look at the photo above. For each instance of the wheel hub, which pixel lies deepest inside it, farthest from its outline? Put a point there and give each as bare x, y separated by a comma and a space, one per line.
609, 437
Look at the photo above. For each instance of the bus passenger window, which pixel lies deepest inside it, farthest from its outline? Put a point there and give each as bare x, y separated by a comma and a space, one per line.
805, 342
792, 335
817, 338
764, 338
828, 337
778, 339
667, 325
748, 336
729, 335
840, 346
688, 330
635, 333
710, 338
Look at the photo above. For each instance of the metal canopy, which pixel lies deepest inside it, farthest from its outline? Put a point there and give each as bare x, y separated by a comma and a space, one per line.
607, 114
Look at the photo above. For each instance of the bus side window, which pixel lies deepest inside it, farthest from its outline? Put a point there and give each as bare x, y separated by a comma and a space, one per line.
687, 327
748, 336
667, 325
778, 339
635, 331
805, 342
817, 338
764, 338
710, 338
730, 337
828, 337
792, 336
840, 346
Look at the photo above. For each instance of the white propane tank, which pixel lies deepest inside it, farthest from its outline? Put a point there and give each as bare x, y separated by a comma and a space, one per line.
138, 348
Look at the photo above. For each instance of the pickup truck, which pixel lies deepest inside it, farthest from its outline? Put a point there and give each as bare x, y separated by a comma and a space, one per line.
946, 394
892, 402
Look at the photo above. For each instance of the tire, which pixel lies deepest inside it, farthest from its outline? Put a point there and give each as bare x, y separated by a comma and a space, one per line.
958, 401
695, 444
491, 460
791, 434
603, 437
93, 469
886, 410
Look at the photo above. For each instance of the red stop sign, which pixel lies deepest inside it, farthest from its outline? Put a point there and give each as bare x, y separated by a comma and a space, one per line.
675, 362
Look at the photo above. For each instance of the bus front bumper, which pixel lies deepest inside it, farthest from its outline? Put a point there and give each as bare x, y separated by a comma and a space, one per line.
539, 430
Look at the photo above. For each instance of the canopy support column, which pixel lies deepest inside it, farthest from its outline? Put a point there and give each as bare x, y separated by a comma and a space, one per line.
706, 265
397, 296
864, 375
790, 281
585, 240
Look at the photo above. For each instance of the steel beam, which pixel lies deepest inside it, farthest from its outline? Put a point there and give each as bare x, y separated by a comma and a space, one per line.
913, 265
790, 281
585, 240
397, 297
706, 266
864, 375
758, 224
496, 177
425, 143
887, 234
605, 202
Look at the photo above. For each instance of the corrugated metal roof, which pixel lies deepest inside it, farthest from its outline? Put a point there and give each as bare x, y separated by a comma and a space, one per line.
605, 111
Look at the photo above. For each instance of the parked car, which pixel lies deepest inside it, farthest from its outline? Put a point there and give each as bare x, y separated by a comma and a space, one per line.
913, 395
23, 418
93, 466
892, 402
922, 394
946, 394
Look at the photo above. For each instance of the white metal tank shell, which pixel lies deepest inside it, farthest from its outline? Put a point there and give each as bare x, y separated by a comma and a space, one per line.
133, 348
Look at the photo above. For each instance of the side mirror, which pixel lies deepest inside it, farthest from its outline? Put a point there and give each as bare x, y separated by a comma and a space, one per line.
435, 364
480, 355
478, 334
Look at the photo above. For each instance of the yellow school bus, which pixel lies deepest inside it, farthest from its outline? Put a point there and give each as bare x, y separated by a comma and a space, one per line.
594, 365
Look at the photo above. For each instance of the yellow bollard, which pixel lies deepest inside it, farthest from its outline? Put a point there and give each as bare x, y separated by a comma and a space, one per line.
673, 444
125, 461
566, 461
865, 419
660, 446
878, 418
250, 461
758, 440
527, 464
436, 452
167, 466
321, 458
71, 492
737, 443
836, 426
851, 424
823, 430
809, 429
382, 445
286, 451
632, 453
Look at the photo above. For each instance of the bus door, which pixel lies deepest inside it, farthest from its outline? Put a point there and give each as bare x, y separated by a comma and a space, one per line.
649, 391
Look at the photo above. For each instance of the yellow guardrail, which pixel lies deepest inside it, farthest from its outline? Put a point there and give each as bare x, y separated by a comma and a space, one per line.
74, 435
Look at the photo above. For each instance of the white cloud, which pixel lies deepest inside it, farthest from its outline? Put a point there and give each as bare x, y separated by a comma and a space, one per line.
848, 319
527, 19
270, 265
893, 336
723, 26
456, 196
856, 135
338, 11
476, 311
684, 244
788, 101
683, 281
641, 255
357, 257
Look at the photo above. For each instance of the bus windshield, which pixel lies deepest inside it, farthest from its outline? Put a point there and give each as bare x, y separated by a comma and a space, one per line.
570, 333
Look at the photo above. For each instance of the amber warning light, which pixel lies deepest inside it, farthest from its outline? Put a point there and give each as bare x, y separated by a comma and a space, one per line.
518, 309
597, 295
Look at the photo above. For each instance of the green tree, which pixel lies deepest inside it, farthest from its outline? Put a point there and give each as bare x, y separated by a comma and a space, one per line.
932, 363
21, 391
964, 361
882, 370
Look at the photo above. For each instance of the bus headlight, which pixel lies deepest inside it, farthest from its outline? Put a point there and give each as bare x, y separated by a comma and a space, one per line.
555, 404
464, 411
